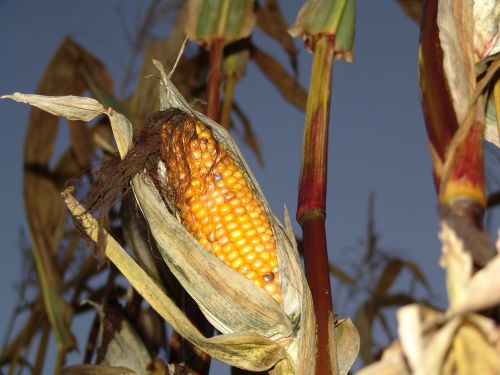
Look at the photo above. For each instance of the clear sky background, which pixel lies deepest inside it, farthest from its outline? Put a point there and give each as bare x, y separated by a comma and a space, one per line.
377, 140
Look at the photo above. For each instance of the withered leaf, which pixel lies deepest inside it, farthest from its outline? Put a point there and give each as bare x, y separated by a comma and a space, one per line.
45, 209
270, 20
412, 8
288, 86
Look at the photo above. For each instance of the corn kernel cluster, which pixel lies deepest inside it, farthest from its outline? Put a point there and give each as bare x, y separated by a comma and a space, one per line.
216, 204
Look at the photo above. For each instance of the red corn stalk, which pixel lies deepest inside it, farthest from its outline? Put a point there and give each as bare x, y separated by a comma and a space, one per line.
214, 78
312, 200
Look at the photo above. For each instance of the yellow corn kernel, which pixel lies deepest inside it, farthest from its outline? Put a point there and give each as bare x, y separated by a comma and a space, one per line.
216, 203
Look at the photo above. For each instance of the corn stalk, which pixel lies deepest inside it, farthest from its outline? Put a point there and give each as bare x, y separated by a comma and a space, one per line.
327, 28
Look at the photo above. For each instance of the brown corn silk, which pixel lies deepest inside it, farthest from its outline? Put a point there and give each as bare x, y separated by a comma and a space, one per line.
215, 202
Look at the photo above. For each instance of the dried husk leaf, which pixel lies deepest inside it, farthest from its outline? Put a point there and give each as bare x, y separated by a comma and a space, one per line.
425, 351
456, 26
391, 363
458, 264
246, 350
473, 353
136, 238
348, 343
492, 128
481, 291
119, 344
96, 370
486, 28
170, 97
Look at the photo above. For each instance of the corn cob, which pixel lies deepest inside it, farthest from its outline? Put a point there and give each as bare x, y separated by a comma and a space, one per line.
216, 204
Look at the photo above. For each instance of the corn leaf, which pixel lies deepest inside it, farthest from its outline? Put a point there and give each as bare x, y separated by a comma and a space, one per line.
44, 208
208, 20
326, 17
271, 21
287, 85
412, 8
389, 274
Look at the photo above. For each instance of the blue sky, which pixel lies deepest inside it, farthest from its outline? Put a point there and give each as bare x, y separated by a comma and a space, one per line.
377, 139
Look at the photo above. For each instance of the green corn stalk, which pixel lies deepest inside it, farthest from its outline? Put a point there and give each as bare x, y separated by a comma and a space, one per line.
328, 29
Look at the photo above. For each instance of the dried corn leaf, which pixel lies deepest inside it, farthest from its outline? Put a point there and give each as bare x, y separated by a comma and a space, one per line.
426, 351
81, 143
44, 208
486, 29
136, 238
271, 21
287, 85
481, 291
96, 370
391, 363
249, 135
458, 264
456, 26
492, 128
119, 344
389, 274
473, 354
412, 8
347, 339
208, 20
166, 51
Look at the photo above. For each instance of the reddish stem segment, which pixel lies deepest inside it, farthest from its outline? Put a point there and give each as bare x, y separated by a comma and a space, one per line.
312, 200
214, 78
439, 114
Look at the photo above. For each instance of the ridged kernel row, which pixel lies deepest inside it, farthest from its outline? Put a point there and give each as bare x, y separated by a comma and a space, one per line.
216, 204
